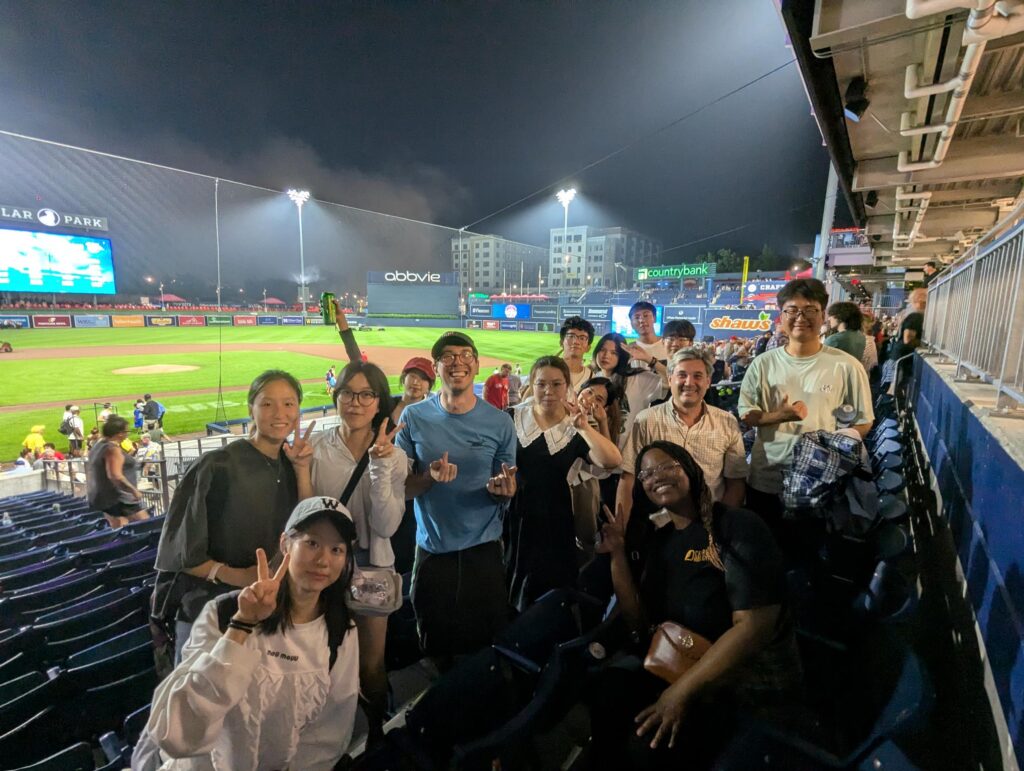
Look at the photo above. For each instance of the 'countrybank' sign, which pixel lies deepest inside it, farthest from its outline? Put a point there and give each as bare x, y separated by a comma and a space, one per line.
676, 272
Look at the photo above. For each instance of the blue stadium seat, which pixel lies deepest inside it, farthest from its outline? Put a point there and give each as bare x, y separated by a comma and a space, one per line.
25, 605
77, 757
22, 578
20, 685
56, 650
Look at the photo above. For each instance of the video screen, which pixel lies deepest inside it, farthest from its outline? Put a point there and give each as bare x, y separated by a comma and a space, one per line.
622, 325
31, 261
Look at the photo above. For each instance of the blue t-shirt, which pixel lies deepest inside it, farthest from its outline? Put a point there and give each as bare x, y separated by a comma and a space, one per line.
460, 514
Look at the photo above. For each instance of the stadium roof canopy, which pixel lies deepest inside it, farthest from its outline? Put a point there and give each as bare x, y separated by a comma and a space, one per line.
930, 148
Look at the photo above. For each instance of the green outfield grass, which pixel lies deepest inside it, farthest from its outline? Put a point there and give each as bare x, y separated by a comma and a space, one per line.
88, 376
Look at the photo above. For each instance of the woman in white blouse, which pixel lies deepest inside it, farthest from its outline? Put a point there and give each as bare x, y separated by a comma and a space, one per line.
269, 676
377, 503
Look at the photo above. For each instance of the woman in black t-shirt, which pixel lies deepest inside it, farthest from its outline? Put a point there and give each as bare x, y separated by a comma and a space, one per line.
716, 571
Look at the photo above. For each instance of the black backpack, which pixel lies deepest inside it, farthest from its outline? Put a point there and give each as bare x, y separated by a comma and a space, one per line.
65, 427
227, 606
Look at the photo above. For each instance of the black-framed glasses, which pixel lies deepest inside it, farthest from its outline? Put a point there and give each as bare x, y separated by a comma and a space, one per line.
363, 398
647, 473
810, 312
449, 358
577, 338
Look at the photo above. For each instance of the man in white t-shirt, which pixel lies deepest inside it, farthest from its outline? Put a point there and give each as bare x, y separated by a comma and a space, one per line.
648, 360
793, 389
77, 436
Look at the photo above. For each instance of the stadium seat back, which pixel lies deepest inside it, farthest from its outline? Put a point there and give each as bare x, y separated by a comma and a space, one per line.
21, 685
119, 645
55, 650
77, 757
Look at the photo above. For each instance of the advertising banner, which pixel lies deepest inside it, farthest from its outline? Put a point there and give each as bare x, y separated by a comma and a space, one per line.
410, 277
545, 312
244, 321
597, 312
741, 323
13, 322
762, 291
291, 321
160, 321
91, 321
313, 321
473, 324
492, 324
51, 322
570, 310
266, 321
191, 321
511, 326
545, 326
218, 321
528, 326
510, 310
128, 321
479, 311
688, 312
676, 272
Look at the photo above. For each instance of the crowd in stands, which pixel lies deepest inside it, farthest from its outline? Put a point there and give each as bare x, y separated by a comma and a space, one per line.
44, 305
615, 468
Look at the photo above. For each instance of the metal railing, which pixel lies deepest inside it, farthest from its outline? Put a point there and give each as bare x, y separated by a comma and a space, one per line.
976, 312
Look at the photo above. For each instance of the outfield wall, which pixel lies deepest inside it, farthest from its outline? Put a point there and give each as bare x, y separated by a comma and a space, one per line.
718, 322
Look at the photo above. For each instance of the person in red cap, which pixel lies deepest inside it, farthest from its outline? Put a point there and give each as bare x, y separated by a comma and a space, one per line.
417, 381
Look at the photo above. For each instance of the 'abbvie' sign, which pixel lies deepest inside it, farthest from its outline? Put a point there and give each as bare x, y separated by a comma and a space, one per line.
400, 277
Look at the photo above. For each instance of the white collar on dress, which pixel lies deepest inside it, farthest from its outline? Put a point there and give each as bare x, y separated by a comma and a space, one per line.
528, 430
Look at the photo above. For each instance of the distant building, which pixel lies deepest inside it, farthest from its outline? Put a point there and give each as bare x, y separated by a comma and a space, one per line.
489, 262
588, 256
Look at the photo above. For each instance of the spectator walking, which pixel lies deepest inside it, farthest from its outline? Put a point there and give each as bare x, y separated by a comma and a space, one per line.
358, 464
496, 387
712, 436
105, 413
137, 414
911, 331
462, 455
112, 481
795, 389
150, 412
34, 440
515, 386
552, 434
230, 502
76, 426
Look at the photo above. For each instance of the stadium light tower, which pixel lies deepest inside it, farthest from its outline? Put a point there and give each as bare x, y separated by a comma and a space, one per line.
299, 197
565, 198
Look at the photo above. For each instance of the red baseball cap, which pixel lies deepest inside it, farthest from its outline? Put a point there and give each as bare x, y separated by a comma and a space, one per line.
421, 364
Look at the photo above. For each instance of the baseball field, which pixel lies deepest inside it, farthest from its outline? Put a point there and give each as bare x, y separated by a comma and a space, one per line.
183, 369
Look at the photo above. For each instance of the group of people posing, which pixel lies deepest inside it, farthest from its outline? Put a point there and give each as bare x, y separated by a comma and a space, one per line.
264, 537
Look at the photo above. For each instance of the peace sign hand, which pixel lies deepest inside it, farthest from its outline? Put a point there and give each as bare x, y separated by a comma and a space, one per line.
300, 451
443, 471
613, 532
579, 414
504, 484
383, 445
257, 601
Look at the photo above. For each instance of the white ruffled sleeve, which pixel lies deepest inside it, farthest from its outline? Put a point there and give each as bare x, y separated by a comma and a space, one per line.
190, 704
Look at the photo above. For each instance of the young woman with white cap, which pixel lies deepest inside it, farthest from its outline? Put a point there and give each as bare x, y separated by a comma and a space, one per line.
270, 674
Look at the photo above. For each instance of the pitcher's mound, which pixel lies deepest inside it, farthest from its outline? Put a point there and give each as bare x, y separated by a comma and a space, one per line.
155, 369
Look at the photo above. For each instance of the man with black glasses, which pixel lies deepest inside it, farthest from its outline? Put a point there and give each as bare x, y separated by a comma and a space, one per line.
793, 389
462, 453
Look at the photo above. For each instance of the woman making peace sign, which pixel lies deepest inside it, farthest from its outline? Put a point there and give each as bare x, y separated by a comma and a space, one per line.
269, 675
540, 536
376, 499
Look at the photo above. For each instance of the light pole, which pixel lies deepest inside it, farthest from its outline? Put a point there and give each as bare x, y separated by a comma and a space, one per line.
265, 301
565, 198
163, 302
299, 197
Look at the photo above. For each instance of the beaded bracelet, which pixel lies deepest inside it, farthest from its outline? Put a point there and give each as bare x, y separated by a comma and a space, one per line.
242, 626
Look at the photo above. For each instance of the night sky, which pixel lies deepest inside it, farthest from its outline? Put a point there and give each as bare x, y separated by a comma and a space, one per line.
443, 112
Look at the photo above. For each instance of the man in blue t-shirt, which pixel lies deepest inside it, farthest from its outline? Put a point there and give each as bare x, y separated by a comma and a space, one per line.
461, 452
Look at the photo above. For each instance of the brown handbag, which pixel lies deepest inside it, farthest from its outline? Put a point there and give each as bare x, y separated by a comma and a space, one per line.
674, 649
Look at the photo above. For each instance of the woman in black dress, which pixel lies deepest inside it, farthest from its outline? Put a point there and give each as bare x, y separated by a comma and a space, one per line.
540, 536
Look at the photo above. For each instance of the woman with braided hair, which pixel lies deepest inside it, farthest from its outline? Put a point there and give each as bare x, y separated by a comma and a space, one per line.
714, 570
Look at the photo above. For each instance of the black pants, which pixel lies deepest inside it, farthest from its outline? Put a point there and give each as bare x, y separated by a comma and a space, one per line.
619, 694
460, 599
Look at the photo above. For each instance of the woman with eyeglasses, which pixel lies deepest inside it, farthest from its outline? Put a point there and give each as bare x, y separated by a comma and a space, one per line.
552, 433
362, 446
269, 677
717, 572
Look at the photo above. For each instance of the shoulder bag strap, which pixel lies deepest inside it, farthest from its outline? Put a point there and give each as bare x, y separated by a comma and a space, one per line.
353, 480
